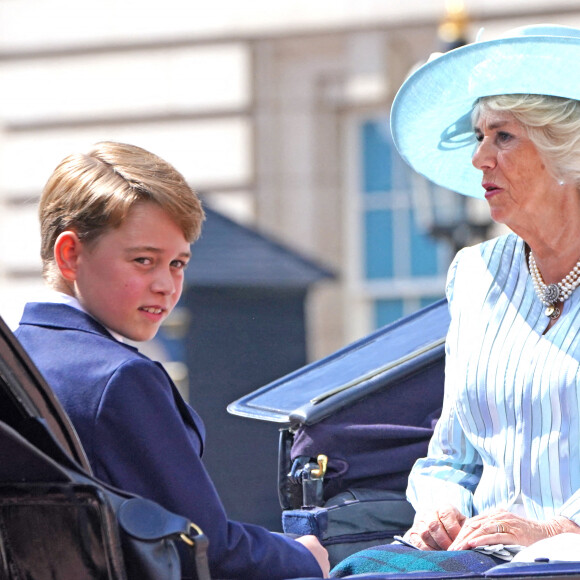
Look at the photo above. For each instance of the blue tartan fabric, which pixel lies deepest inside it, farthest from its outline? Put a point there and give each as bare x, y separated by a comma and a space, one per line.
397, 559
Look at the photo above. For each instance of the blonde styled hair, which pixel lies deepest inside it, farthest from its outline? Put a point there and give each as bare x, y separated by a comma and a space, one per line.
552, 124
91, 193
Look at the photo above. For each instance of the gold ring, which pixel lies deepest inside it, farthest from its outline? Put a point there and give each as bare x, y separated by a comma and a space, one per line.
500, 529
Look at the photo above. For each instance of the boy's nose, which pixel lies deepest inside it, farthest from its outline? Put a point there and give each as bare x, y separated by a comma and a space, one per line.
164, 284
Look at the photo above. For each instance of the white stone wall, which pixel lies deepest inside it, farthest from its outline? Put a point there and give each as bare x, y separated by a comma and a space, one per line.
256, 102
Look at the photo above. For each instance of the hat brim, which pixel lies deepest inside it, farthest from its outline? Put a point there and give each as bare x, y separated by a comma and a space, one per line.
431, 113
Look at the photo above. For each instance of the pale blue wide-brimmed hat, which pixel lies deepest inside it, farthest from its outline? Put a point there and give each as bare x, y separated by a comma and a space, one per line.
431, 113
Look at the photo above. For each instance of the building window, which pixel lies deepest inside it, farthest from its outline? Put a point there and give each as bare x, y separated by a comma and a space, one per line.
404, 268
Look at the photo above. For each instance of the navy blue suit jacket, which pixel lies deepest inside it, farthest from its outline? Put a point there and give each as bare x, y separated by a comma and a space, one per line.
141, 436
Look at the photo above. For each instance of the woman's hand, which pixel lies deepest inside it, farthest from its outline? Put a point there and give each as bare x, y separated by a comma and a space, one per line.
506, 528
436, 530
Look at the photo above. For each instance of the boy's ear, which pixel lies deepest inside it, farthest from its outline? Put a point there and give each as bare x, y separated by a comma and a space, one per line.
67, 249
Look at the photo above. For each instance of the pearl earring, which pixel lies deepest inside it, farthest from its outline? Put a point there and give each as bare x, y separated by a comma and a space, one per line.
560, 182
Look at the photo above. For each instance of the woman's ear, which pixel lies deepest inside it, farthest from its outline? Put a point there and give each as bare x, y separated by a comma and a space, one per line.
67, 249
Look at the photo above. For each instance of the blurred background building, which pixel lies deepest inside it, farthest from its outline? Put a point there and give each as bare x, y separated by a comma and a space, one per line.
277, 111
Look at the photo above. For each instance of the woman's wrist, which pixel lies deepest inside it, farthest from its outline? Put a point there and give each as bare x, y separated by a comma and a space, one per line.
561, 525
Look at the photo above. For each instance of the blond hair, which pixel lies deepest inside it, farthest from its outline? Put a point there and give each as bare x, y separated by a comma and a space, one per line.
551, 123
93, 192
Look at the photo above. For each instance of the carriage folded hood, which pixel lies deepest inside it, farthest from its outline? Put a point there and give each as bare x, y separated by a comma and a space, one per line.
319, 389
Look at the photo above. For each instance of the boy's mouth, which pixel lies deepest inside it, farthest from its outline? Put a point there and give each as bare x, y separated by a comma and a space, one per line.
151, 309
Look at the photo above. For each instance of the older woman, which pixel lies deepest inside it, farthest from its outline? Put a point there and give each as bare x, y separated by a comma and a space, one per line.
508, 438
501, 120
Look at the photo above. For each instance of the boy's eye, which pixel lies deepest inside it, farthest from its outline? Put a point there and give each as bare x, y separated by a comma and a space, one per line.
143, 260
179, 264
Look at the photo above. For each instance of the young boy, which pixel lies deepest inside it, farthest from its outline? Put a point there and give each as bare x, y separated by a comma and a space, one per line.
116, 228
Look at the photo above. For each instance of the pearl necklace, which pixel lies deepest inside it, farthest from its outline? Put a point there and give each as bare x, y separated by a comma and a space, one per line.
549, 294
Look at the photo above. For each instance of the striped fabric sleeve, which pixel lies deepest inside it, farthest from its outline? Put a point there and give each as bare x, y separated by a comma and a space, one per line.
571, 509
452, 469
450, 472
